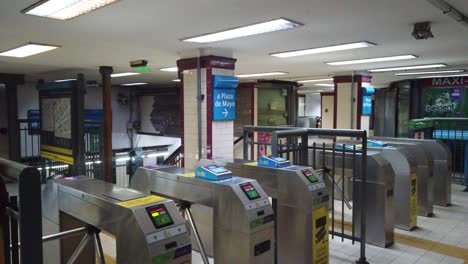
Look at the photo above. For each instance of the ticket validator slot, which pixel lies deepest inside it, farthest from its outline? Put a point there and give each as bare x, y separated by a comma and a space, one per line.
233, 215
300, 200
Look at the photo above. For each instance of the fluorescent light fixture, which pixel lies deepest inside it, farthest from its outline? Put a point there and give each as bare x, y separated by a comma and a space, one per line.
176, 80
428, 72
122, 159
134, 84
349, 46
263, 74
316, 80
415, 67
27, 50
123, 74
65, 80
443, 76
325, 85
170, 69
157, 154
65, 9
254, 29
370, 60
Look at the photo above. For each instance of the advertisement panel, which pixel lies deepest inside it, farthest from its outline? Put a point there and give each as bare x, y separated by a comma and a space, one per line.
442, 102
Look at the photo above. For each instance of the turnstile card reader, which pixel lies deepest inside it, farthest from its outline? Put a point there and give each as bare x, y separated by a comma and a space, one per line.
147, 229
300, 200
212, 173
273, 162
234, 216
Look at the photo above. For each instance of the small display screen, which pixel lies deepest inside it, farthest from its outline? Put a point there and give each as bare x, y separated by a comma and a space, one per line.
159, 216
250, 191
217, 169
310, 176
278, 159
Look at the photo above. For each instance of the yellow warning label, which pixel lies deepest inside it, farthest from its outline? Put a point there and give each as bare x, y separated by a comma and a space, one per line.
141, 201
320, 242
413, 199
190, 175
57, 157
255, 163
65, 151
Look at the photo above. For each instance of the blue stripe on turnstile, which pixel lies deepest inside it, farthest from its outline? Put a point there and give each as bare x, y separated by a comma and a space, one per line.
450, 134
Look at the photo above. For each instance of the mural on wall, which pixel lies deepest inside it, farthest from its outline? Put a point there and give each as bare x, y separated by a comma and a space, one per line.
442, 102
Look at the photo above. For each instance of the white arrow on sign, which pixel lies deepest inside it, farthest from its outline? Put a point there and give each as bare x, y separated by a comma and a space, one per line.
225, 112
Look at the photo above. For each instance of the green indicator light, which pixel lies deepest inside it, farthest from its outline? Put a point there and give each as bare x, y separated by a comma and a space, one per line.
143, 69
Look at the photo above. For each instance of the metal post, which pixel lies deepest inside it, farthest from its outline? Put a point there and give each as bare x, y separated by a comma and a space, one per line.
78, 125
246, 145
13, 126
98, 246
199, 107
197, 236
79, 249
362, 259
107, 161
65, 234
14, 232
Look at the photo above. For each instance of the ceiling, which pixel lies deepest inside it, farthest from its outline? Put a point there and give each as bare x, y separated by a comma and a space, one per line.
151, 29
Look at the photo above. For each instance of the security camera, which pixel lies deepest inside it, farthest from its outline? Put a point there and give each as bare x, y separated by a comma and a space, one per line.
422, 30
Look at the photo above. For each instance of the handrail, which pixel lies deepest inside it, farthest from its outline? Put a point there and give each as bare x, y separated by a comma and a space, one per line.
172, 158
239, 139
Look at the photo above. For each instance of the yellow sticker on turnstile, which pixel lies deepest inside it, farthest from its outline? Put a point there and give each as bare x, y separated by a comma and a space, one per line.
413, 199
141, 201
320, 246
255, 163
190, 175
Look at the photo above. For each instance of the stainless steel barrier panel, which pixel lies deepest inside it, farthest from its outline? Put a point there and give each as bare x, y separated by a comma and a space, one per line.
301, 146
234, 227
22, 225
147, 229
442, 166
424, 172
300, 201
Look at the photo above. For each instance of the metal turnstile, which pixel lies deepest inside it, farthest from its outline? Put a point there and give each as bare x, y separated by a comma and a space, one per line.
380, 192
234, 216
442, 167
405, 195
424, 174
147, 229
300, 201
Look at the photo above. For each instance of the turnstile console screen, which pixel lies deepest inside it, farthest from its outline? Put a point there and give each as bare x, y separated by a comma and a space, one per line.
250, 191
310, 176
159, 216
217, 169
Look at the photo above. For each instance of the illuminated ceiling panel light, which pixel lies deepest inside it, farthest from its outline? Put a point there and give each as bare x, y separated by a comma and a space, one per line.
176, 80
324, 85
263, 74
349, 46
27, 50
134, 84
65, 80
169, 69
443, 76
65, 9
415, 67
316, 80
428, 72
123, 74
255, 29
371, 60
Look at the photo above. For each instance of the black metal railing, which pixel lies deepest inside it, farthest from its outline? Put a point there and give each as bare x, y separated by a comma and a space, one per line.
454, 133
175, 159
338, 163
22, 216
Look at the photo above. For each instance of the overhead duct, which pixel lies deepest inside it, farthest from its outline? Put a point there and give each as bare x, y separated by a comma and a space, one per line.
451, 11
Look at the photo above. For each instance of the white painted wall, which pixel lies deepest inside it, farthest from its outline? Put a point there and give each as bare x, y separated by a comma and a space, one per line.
327, 111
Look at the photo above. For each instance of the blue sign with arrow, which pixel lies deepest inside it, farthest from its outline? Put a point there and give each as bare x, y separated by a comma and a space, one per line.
224, 98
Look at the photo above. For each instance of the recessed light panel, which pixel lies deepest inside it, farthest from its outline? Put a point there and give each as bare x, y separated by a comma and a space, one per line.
123, 74
134, 84
27, 50
415, 67
324, 85
176, 80
65, 80
443, 76
316, 80
428, 72
65, 9
371, 60
255, 29
170, 69
263, 74
349, 46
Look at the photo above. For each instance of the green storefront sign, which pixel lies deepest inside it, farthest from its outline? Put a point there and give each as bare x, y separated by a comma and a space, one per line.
442, 102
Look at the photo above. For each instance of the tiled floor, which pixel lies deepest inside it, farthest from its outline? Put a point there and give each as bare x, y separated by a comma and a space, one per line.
446, 232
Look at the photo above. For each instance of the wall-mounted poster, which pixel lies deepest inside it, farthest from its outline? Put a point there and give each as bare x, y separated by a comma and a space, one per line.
442, 102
